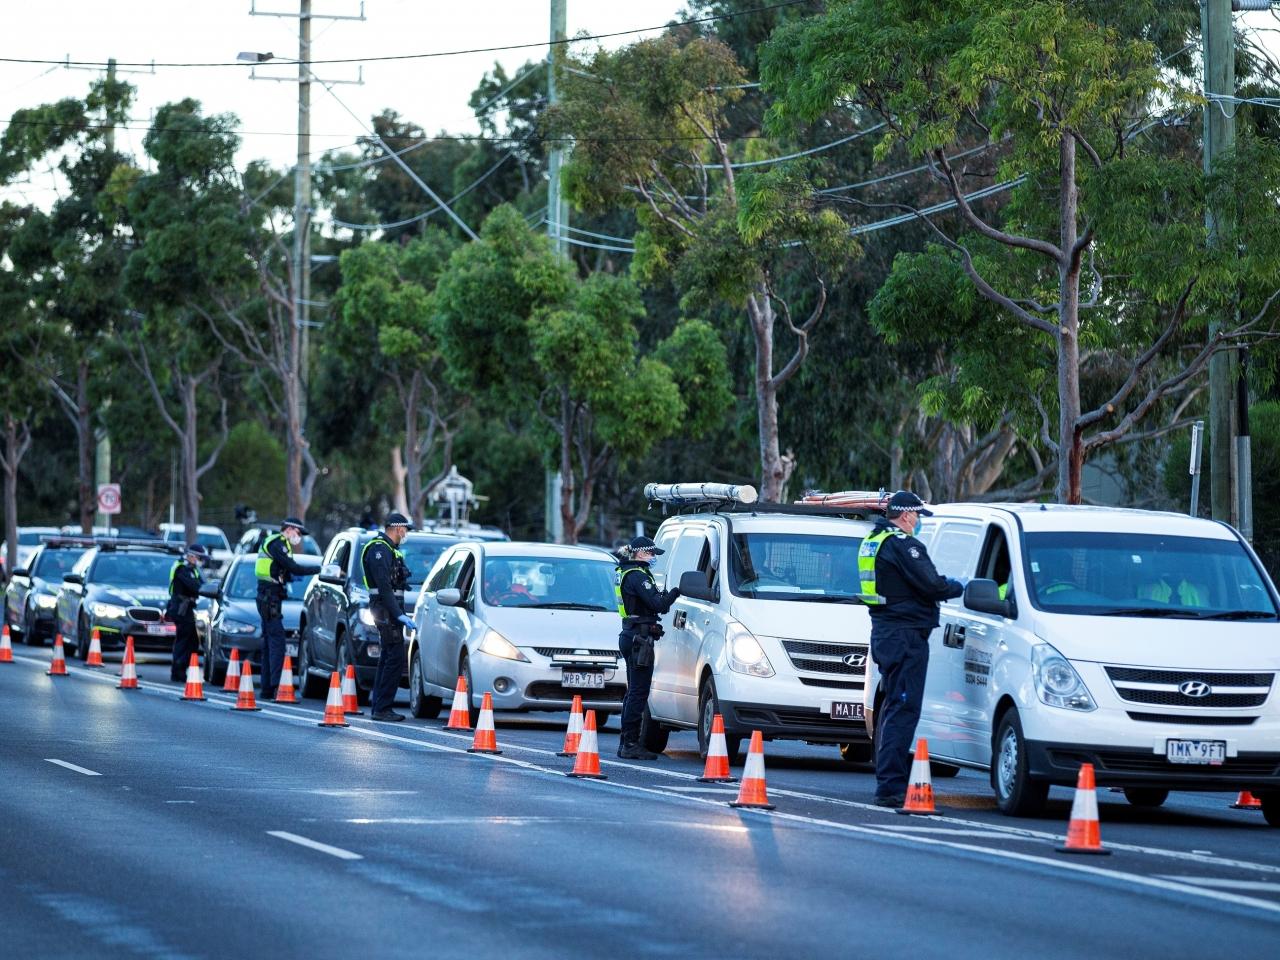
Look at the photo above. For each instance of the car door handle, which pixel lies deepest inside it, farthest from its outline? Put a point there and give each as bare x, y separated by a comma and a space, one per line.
953, 635
680, 619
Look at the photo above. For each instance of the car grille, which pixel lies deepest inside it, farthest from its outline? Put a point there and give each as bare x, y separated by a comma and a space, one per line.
1260, 766
1161, 687
146, 614
573, 651
826, 658
832, 684
811, 719
1191, 720
550, 690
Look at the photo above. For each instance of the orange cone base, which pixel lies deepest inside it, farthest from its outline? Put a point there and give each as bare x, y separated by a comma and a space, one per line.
185, 697
1246, 801
566, 753
56, 673
751, 806
1095, 851
127, 684
717, 779
482, 750
333, 723
285, 694
244, 709
587, 776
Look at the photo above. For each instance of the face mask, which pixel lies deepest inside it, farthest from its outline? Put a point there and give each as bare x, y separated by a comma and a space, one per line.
294, 537
915, 531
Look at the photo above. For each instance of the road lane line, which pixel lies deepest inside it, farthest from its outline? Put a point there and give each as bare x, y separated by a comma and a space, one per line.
71, 766
1227, 884
315, 845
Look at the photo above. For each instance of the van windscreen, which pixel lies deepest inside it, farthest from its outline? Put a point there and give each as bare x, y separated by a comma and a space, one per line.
787, 566
1145, 575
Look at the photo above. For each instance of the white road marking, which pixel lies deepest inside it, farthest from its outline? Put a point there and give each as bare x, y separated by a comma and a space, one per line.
179, 801
954, 832
723, 790
315, 845
72, 766
1223, 883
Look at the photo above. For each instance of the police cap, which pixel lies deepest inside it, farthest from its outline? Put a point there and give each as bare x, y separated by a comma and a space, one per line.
644, 543
198, 550
904, 501
395, 519
296, 524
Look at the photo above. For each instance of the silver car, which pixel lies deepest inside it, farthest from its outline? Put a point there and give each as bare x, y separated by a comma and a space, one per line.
531, 623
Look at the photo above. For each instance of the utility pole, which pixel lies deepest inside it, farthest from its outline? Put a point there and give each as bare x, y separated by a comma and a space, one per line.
557, 221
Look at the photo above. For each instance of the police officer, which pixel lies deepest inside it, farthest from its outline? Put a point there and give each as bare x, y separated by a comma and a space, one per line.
902, 589
640, 603
275, 568
387, 576
184, 592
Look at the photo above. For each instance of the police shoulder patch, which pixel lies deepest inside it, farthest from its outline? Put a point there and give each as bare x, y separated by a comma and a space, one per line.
915, 554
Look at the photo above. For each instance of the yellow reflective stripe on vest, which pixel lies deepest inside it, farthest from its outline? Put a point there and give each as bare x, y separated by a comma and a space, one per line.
365, 549
867, 551
262, 567
620, 574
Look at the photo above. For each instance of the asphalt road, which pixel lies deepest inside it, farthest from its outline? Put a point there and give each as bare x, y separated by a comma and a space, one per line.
135, 824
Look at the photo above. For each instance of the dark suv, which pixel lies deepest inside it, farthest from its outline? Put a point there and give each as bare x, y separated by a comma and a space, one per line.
31, 597
337, 627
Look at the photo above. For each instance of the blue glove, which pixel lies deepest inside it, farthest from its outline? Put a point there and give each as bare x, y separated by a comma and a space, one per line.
408, 623
963, 581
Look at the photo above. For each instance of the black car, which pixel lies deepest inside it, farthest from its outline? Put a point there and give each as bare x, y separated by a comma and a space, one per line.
31, 598
231, 621
337, 627
120, 588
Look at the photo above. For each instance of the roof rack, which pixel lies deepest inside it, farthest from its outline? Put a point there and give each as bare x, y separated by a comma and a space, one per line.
861, 499
61, 540
730, 498
117, 543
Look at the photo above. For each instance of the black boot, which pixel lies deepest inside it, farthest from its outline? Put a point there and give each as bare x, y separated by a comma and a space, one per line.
629, 749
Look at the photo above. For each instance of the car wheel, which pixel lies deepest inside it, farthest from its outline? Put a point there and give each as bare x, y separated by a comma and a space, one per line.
1271, 807
308, 686
708, 707
344, 661
942, 771
82, 639
422, 705
1145, 796
1017, 794
464, 669
861, 751
27, 635
653, 735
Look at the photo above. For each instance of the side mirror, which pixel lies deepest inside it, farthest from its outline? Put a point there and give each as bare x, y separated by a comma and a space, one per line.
449, 597
21, 572
210, 588
984, 597
73, 578
693, 584
331, 573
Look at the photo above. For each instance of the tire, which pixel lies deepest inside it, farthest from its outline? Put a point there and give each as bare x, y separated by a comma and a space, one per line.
308, 686
942, 771
464, 670
653, 735
30, 636
82, 639
1145, 796
1017, 794
603, 717
422, 705
708, 707
1271, 808
860, 751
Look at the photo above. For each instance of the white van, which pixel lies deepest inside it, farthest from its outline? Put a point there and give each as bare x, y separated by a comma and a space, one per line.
769, 630
1145, 643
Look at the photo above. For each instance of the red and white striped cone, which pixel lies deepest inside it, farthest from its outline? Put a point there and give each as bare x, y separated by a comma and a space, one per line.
284, 692
128, 668
94, 659
1246, 801
920, 786
232, 683
573, 735
754, 792
246, 700
58, 667
486, 738
586, 762
6, 645
350, 698
195, 680
717, 768
460, 714
1083, 835
333, 715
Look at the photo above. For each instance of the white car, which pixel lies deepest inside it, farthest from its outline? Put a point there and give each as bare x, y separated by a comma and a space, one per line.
28, 543
531, 623
1145, 643
210, 537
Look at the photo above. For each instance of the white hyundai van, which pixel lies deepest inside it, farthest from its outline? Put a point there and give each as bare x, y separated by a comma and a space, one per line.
1145, 643
769, 630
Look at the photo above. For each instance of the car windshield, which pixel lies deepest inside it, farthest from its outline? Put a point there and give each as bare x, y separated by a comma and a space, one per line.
420, 556
1148, 575
214, 541
53, 564
29, 538
135, 569
788, 566
567, 583
243, 584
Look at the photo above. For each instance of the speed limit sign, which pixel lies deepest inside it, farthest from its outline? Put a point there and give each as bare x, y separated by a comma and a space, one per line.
108, 498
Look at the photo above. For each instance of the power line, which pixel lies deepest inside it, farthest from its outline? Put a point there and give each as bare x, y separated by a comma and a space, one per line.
484, 107
802, 153
904, 173
424, 56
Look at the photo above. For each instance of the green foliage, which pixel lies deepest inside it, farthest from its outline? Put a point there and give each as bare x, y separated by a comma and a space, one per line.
250, 471
699, 364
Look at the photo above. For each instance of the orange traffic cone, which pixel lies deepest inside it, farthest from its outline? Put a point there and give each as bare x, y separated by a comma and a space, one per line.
920, 787
6, 646
58, 668
1246, 801
128, 668
333, 715
717, 768
486, 738
232, 683
460, 714
284, 692
195, 681
1082, 832
586, 763
573, 735
753, 792
246, 700
350, 699
94, 659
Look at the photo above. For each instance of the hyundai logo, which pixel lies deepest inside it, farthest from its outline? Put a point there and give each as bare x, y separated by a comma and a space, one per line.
1194, 688
854, 659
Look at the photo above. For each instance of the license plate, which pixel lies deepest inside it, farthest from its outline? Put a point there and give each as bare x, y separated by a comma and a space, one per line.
846, 710
589, 679
291, 649
160, 628
1212, 752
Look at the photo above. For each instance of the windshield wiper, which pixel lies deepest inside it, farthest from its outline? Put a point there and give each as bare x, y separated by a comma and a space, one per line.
1238, 615
563, 605
1166, 612
828, 598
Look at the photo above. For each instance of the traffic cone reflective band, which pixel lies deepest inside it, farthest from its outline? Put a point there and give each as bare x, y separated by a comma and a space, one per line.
1246, 801
94, 659
284, 692
717, 768
586, 763
1082, 832
486, 738
333, 714
232, 683
58, 668
350, 700
460, 714
573, 735
753, 793
195, 682
246, 699
6, 646
920, 786
128, 669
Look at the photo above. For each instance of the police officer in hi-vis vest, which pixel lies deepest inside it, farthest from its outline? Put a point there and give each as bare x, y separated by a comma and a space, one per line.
275, 568
386, 576
640, 603
901, 589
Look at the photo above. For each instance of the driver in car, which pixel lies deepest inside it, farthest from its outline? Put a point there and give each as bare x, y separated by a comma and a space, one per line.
501, 591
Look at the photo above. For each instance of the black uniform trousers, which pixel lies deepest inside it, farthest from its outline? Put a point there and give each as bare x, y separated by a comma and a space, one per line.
185, 643
902, 654
386, 679
639, 680
270, 608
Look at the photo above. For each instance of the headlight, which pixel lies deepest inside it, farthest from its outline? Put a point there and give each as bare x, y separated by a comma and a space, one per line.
1057, 682
745, 653
238, 627
106, 611
46, 601
366, 617
496, 645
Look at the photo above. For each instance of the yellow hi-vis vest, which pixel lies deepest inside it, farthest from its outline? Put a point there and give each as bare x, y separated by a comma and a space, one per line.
867, 565
620, 574
262, 567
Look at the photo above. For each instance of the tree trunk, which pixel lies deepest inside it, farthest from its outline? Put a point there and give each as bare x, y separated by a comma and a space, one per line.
84, 443
411, 489
774, 471
398, 474
1070, 448
17, 439
188, 440
567, 425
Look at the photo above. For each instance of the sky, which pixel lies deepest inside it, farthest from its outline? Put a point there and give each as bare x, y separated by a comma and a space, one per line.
430, 92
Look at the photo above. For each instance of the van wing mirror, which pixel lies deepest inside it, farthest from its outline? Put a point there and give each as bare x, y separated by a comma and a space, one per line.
73, 578
449, 597
984, 597
693, 584
331, 573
